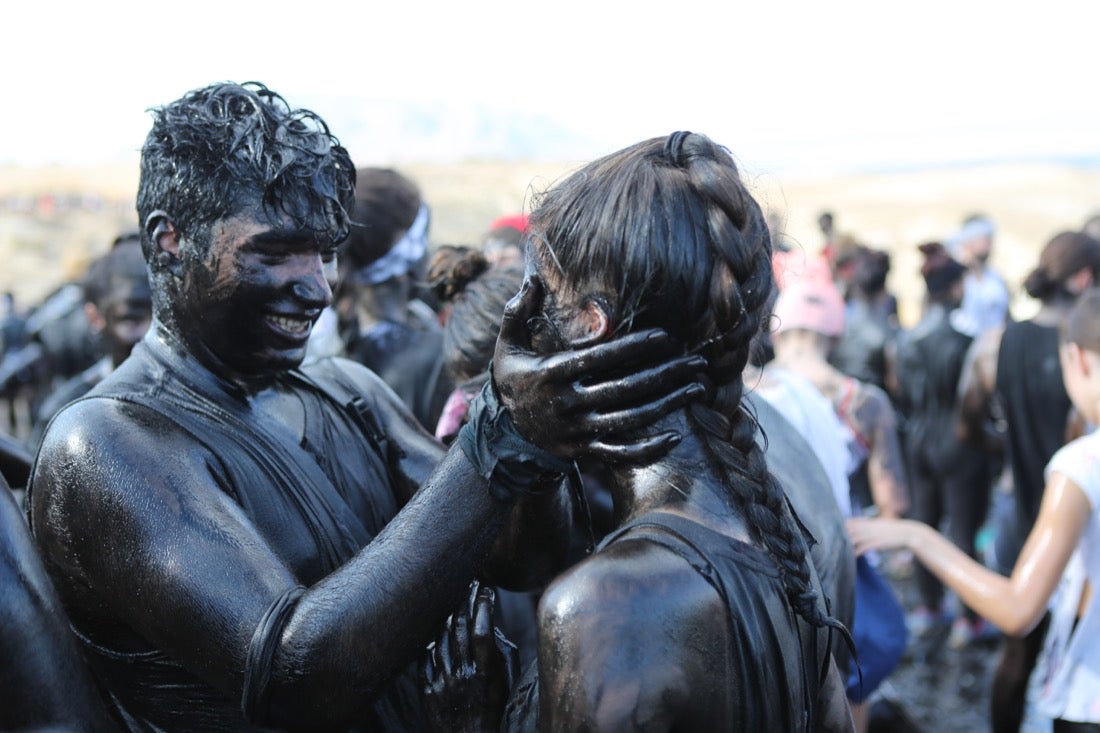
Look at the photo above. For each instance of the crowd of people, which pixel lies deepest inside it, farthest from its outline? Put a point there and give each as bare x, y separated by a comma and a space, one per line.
630, 462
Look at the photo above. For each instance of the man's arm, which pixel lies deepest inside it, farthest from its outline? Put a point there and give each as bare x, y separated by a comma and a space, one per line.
114, 517
533, 545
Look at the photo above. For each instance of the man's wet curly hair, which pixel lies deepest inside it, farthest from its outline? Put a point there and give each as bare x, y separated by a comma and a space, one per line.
220, 149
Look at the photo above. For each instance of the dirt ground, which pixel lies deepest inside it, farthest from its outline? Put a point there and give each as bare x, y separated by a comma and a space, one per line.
940, 689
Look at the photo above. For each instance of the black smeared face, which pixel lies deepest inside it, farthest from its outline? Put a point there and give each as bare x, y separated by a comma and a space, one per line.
548, 329
251, 302
127, 311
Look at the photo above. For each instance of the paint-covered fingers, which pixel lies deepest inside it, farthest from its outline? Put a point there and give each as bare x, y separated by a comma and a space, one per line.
566, 402
467, 673
493, 655
481, 642
644, 385
641, 450
628, 436
521, 308
607, 360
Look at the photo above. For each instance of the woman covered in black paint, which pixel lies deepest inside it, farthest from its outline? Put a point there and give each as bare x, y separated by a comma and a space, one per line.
701, 611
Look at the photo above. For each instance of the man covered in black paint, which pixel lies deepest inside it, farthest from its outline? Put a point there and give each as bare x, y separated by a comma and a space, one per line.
240, 542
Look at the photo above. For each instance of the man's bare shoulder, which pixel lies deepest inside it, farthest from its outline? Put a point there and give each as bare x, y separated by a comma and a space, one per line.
105, 422
104, 446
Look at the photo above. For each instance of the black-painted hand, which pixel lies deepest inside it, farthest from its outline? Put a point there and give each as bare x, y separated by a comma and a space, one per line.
468, 672
583, 402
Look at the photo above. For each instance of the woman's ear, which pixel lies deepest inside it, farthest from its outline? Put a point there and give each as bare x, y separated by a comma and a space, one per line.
593, 323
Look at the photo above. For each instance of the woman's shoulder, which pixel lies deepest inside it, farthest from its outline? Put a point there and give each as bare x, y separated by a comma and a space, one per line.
631, 578
1079, 460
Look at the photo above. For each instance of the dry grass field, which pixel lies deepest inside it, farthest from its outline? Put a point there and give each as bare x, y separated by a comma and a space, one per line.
53, 220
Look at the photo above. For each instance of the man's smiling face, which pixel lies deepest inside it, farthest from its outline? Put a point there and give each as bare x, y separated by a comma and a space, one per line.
252, 299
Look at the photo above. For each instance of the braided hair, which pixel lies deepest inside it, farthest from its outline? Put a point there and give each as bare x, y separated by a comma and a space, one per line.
666, 233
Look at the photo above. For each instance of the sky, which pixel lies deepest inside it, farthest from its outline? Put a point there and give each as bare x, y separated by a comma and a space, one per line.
814, 87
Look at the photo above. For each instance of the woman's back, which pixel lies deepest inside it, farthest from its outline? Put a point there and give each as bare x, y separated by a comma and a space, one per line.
664, 235
1036, 407
929, 362
673, 618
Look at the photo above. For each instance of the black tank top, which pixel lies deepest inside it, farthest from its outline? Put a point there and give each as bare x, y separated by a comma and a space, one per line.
316, 503
930, 361
1036, 406
777, 661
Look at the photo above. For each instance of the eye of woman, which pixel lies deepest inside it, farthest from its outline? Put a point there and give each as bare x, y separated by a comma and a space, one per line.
544, 334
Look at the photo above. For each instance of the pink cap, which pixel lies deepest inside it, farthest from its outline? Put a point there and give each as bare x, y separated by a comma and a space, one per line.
808, 297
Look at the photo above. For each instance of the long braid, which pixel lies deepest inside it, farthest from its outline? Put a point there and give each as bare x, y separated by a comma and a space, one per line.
740, 288
663, 229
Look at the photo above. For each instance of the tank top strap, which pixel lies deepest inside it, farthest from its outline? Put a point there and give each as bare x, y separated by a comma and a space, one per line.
688, 539
674, 533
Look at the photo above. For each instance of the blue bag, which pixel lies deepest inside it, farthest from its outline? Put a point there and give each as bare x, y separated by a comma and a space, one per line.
879, 632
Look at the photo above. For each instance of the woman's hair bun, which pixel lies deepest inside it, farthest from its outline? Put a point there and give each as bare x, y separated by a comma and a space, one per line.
452, 268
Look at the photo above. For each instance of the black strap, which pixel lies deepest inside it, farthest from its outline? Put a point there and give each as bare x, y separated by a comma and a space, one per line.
512, 465
261, 655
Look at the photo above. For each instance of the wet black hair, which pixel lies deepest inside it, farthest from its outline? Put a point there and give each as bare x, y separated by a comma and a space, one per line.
220, 149
666, 234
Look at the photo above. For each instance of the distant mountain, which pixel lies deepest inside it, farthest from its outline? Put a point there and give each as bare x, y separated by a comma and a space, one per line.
381, 131
447, 131
394, 131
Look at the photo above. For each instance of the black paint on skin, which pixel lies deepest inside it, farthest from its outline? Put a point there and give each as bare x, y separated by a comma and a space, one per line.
44, 683
118, 303
703, 610
228, 531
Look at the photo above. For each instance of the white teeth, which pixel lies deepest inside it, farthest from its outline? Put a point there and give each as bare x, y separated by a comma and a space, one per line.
290, 325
